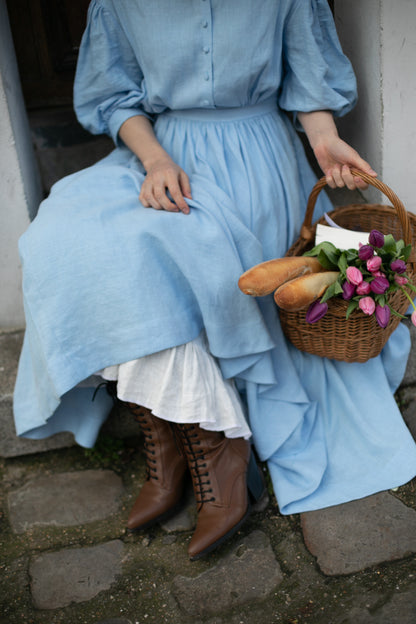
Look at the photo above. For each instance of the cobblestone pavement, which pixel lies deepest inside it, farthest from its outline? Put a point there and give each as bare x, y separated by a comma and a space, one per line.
65, 556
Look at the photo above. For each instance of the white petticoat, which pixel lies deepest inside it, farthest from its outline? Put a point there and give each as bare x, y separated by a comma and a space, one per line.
183, 385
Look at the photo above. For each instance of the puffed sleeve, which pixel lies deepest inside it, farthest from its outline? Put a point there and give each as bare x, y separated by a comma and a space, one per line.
109, 86
317, 75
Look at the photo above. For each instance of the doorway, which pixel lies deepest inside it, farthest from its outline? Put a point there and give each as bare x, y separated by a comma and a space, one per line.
46, 36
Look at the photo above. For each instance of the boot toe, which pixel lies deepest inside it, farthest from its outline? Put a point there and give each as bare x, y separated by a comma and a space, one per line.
209, 534
151, 506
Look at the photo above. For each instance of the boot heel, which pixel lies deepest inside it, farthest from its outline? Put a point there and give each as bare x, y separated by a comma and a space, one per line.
255, 481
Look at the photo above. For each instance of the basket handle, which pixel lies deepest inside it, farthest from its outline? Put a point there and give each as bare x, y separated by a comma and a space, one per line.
306, 231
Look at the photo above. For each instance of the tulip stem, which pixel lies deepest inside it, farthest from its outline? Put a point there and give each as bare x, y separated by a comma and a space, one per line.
409, 297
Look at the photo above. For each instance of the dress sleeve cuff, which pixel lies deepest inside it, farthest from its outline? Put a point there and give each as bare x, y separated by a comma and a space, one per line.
119, 116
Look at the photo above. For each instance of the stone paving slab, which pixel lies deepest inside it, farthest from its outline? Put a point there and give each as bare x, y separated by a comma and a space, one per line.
65, 499
356, 535
400, 609
249, 573
74, 575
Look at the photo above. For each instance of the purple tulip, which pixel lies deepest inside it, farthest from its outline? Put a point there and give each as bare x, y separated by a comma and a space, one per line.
374, 264
316, 311
365, 252
382, 315
379, 285
363, 289
348, 290
354, 275
400, 280
367, 305
398, 266
376, 238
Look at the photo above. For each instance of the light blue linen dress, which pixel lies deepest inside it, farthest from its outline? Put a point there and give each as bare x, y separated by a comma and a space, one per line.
107, 281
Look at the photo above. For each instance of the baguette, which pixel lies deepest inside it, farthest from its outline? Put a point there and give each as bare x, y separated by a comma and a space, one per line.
265, 277
302, 291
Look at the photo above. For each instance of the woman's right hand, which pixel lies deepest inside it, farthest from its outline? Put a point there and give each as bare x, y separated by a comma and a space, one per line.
165, 176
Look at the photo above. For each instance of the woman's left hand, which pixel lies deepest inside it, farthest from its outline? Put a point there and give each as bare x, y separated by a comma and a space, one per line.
334, 156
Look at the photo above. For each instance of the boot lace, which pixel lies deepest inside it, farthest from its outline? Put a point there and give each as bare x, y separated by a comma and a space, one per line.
197, 464
141, 417
111, 387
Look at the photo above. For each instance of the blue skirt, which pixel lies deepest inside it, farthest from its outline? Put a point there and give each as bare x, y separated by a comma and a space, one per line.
107, 281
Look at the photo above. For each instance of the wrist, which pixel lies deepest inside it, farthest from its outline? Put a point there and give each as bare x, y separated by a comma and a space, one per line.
322, 140
319, 127
154, 157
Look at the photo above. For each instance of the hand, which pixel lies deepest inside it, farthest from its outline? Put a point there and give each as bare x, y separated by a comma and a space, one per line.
163, 176
335, 157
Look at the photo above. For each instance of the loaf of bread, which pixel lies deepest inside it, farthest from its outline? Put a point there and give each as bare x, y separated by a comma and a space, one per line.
302, 291
265, 277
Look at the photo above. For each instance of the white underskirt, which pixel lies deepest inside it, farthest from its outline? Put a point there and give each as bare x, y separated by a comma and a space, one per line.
182, 385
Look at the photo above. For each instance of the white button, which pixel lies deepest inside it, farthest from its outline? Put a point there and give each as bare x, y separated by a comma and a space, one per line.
205, 49
205, 24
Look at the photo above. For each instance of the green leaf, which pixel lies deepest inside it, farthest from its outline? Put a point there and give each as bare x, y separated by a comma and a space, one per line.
406, 252
396, 313
389, 244
311, 253
399, 247
352, 306
330, 292
342, 262
324, 246
329, 263
351, 255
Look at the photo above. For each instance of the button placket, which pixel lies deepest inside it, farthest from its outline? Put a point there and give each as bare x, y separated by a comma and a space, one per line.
206, 51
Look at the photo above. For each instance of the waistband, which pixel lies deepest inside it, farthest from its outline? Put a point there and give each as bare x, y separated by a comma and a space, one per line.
224, 114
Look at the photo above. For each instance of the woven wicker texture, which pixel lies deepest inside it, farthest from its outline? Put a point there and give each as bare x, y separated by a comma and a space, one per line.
359, 338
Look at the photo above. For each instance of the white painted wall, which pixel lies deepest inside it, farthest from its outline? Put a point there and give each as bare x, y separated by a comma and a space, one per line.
398, 56
379, 37
20, 191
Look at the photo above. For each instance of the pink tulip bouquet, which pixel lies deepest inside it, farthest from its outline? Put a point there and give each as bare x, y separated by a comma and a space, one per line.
366, 277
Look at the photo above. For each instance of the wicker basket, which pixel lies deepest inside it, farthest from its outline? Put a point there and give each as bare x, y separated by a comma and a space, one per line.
359, 338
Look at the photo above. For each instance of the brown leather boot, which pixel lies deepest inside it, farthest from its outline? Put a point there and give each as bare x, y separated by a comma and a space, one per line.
218, 467
166, 466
